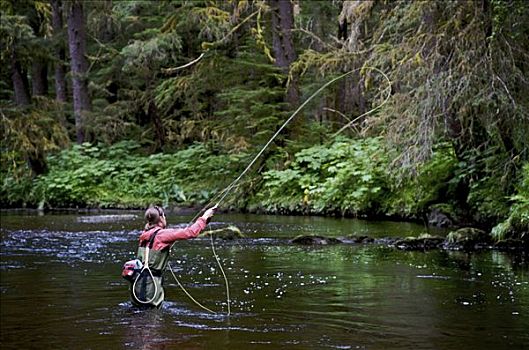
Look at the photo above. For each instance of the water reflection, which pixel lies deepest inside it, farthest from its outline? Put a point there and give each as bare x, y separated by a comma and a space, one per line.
144, 329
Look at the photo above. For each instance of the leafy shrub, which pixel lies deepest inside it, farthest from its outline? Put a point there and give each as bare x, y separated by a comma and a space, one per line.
119, 176
432, 184
355, 177
15, 190
27, 136
517, 223
345, 177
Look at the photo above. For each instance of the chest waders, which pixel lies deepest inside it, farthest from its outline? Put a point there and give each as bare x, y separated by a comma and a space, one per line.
147, 289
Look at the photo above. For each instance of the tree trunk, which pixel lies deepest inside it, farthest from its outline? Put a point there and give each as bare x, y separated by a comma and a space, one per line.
283, 23
60, 52
20, 82
79, 66
37, 163
39, 78
39, 64
283, 44
158, 125
106, 32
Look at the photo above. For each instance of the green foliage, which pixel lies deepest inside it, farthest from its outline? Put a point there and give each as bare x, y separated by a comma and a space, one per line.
450, 82
16, 35
517, 223
34, 131
15, 183
28, 134
355, 177
248, 114
347, 177
434, 183
144, 56
120, 176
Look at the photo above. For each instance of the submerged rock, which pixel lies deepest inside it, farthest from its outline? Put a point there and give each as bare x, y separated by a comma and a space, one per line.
228, 233
315, 240
463, 239
358, 239
467, 238
389, 241
423, 242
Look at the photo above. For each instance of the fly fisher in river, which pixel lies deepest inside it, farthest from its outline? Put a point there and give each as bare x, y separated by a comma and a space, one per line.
155, 242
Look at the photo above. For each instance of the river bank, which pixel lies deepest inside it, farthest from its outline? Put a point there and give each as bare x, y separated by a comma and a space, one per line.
468, 239
348, 178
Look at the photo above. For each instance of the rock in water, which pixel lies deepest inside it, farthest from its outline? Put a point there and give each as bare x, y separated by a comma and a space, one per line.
423, 242
354, 238
314, 240
467, 238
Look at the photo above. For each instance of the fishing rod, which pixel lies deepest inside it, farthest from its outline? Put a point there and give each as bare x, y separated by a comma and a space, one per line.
224, 193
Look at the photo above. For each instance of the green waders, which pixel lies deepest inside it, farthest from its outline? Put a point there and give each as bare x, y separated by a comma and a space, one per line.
148, 288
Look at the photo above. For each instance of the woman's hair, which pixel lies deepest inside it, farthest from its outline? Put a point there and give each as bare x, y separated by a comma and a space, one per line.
153, 216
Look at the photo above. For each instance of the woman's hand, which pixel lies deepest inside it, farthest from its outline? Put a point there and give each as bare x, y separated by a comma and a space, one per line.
209, 213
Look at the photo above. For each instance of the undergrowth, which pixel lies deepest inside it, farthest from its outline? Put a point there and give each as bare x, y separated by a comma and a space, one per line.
348, 177
120, 176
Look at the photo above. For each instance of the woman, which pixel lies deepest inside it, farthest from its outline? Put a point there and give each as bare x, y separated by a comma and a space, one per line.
155, 242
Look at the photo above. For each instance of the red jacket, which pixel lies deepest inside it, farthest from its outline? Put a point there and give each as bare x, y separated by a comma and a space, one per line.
168, 236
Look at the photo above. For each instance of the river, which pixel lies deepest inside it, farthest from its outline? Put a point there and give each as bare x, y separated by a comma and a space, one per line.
61, 288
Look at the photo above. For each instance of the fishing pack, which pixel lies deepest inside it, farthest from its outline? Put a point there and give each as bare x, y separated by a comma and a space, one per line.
131, 269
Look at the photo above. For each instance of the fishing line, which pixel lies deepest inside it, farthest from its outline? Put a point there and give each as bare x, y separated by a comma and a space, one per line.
224, 193
223, 273
186, 292
226, 283
234, 182
187, 64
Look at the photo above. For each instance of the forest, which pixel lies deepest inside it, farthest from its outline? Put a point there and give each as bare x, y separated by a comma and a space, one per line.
120, 104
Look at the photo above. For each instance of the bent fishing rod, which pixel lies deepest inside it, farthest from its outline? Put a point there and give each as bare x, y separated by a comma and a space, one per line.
226, 191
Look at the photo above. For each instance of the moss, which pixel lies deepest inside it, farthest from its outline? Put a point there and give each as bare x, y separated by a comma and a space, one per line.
517, 223
423, 242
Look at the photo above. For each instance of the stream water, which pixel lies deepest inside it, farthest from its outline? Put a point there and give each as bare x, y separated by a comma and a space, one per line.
61, 288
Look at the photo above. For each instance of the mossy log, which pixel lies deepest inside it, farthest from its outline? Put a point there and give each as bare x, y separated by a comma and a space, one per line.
513, 244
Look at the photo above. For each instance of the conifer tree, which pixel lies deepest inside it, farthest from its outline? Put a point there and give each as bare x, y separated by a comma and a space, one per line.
60, 52
79, 66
